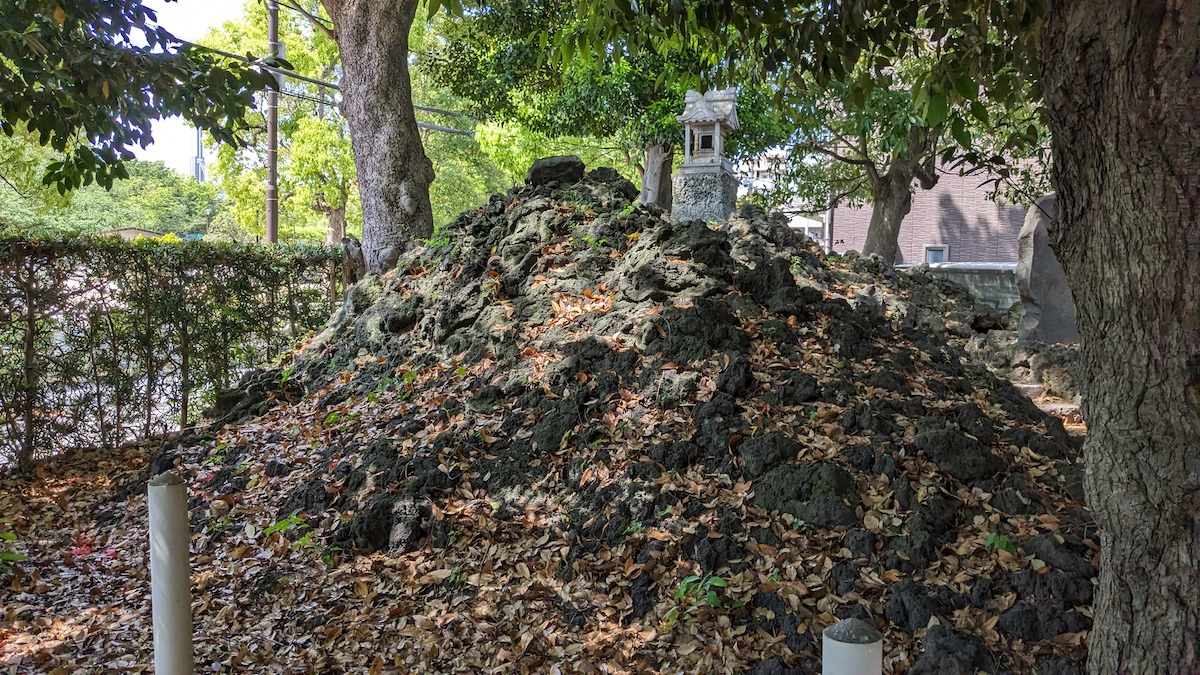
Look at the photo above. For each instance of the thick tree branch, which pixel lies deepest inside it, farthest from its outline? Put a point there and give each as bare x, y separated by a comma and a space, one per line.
316, 21
838, 156
837, 199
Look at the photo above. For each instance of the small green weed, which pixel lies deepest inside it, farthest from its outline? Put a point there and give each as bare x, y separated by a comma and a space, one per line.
292, 523
694, 593
7, 557
999, 542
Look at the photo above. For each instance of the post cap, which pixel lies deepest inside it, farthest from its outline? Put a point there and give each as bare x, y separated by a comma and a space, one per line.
853, 631
166, 478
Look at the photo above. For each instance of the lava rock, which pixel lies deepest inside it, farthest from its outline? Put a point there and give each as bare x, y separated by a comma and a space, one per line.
820, 493
763, 453
948, 652
563, 169
957, 454
1047, 547
1031, 623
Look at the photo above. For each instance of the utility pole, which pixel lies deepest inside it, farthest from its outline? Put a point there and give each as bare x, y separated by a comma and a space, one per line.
273, 128
198, 167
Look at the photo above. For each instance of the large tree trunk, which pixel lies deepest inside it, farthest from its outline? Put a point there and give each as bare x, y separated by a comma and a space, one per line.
891, 202
393, 172
656, 180
1123, 93
337, 226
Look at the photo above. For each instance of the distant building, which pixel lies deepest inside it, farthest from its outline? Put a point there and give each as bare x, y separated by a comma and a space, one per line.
759, 174
954, 222
130, 233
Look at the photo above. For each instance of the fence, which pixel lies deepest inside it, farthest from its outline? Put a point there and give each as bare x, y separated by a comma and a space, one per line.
104, 341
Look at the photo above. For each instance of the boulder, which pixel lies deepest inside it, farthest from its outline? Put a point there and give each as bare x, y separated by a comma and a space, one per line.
1049, 309
563, 169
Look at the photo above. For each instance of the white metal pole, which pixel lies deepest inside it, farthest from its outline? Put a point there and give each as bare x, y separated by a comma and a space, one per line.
851, 647
170, 575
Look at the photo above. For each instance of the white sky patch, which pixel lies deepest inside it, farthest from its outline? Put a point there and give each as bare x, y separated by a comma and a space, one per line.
174, 139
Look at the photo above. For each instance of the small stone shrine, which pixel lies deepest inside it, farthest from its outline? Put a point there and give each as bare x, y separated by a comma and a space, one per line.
705, 187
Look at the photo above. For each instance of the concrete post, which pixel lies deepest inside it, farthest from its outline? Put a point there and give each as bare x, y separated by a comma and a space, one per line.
851, 647
170, 575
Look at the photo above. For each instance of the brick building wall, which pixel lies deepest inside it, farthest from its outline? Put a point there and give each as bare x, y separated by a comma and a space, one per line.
956, 213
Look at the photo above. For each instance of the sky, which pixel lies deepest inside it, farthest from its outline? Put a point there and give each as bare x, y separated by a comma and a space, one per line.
174, 140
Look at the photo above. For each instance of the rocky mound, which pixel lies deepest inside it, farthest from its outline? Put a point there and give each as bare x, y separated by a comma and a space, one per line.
576, 437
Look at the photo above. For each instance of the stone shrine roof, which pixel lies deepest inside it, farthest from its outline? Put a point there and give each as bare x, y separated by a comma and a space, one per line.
717, 105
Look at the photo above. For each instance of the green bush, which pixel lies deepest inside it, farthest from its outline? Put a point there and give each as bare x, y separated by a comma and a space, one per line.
104, 341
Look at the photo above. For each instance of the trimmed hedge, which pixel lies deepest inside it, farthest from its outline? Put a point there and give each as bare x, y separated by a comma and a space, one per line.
104, 341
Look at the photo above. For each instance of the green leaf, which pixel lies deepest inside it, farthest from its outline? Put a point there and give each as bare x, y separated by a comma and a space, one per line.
961, 134
718, 582
937, 110
979, 112
967, 87
713, 600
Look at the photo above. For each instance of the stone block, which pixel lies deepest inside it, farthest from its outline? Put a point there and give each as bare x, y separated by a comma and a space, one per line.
1048, 307
705, 196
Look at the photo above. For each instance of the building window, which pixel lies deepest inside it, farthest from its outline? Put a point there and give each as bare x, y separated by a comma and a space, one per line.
706, 142
937, 254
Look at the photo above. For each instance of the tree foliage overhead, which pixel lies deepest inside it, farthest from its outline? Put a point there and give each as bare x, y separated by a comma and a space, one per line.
849, 136
89, 77
317, 173
495, 57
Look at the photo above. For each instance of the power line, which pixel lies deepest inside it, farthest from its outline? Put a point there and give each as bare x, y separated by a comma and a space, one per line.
419, 123
304, 78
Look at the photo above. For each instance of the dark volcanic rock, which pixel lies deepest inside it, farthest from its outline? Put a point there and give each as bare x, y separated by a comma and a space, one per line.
820, 493
911, 606
1034, 622
951, 653
762, 453
957, 454
773, 616
563, 169
774, 666
1046, 547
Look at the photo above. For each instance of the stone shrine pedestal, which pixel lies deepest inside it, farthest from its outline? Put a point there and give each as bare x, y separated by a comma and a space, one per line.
707, 193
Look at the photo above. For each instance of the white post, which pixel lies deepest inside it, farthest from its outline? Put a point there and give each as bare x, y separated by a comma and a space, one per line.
687, 144
170, 575
851, 647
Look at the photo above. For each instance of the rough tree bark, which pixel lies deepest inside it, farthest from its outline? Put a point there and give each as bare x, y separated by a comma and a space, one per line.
891, 194
656, 179
891, 201
393, 172
1122, 83
337, 225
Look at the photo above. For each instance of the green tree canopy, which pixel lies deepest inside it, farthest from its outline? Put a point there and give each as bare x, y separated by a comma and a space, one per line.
154, 197
88, 78
495, 58
319, 196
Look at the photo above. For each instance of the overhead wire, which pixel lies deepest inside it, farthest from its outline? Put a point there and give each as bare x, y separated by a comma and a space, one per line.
322, 83
423, 125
